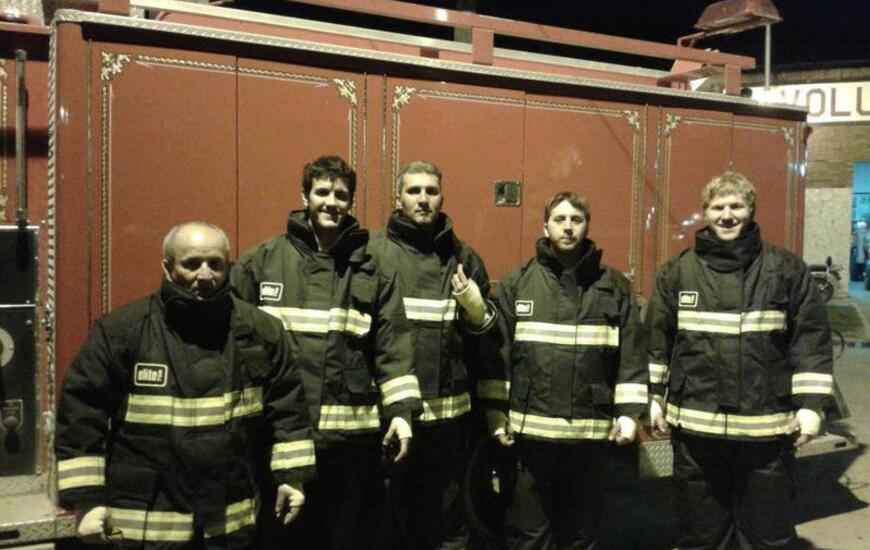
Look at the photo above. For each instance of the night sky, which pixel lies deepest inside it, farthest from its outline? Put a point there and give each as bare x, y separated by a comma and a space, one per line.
813, 34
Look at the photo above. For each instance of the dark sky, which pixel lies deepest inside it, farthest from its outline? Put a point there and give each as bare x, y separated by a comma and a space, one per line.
813, 33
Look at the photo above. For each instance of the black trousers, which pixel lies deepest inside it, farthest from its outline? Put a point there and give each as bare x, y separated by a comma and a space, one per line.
558, 495
425, 498
343, 505
734, 494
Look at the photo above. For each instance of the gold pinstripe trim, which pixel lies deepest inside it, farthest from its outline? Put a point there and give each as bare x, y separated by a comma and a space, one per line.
568, 335
83, 471
292, 454
764, 425
560, 428
812, 382
493, 389
399, 388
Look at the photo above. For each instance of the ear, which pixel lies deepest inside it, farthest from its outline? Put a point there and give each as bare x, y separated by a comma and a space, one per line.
167, 268
546, 231
304, 199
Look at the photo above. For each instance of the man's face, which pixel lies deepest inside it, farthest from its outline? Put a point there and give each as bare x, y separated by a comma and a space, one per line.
566, 227
727, 216
328, 203
199, 263
420, 199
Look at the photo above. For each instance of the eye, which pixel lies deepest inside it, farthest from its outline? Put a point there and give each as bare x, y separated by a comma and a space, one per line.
434, 191
191, 264
342, 195
217, 264
322, 192
414, 190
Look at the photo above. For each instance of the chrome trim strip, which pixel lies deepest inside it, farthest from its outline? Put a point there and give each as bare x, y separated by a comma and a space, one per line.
74, 16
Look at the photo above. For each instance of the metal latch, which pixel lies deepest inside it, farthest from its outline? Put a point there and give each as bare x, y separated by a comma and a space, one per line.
508, 193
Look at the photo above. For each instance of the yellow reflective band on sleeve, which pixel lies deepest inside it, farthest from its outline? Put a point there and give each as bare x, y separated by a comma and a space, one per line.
812, 382
762, 321
440, 408
292, 454
630, 393
399, 388
420, 309
658, 373
84, 471
493, 389
708, 321
737, 425
152, 526
560, 428
731, 323
349, 417
239, 515
168, 410
321, 321
567, 335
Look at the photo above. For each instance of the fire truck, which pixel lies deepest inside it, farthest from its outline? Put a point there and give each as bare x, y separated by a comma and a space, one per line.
121, 118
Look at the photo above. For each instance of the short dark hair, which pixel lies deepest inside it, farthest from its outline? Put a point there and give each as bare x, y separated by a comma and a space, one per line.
331, 168
417, 167
575, 200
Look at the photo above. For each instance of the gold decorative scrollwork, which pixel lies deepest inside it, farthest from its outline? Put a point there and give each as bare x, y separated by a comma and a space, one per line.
4, 153
402, 96
633, 119
346, 89
671, 125
112, 64
788, 134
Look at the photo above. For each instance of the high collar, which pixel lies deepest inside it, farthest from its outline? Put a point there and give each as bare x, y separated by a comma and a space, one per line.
728, 256
587, 267
402, 229
350, 236
201, 322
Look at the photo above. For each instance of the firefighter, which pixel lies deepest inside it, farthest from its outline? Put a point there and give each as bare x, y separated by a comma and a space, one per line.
572, 380
740, 371
443, 283
345, 323
174, 403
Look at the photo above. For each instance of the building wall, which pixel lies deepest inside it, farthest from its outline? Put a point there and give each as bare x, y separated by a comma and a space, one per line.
832, 149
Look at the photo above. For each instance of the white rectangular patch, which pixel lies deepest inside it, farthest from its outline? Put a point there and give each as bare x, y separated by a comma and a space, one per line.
524, 308
271, 292
152, 375
688, 298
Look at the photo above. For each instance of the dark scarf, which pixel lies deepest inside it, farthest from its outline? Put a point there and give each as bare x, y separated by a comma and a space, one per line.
350, 236
587, 268
726, 256
441, 239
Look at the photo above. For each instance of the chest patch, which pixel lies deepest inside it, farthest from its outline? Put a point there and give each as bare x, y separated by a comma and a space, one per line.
688, 298
524, 308
271, 292
150, 375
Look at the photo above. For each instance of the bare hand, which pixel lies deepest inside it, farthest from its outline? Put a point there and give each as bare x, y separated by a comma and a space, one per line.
459, 281
288, 503
399, 429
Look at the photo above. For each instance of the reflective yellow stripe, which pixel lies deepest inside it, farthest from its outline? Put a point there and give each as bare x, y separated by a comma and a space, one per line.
292, 454
630, 393
349, 417
147, 525
420, 309
731, 323
812, 382
168, 410
658, 373
239, 515
560, 428
321, 321
84, 471
762, 321
568, 335
493, 389
709, 321
764, 425
399, 388
452, 406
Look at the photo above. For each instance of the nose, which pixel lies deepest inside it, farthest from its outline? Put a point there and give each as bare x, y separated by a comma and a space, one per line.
726, 213
330, 199
204, 273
